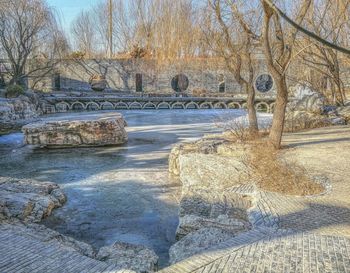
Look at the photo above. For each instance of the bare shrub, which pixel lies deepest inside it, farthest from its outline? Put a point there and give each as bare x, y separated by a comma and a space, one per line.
298, 121
237, 129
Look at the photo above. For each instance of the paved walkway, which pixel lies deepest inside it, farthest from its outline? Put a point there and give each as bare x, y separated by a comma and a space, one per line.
293, 234
22, 251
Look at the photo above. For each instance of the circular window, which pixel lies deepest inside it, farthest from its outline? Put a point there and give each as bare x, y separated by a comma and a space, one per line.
264, 83
180, 83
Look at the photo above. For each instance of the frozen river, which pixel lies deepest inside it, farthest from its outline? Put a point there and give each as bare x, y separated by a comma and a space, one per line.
117, 193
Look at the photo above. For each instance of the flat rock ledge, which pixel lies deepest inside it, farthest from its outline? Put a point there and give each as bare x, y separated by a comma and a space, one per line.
211, 210
134, 257
28, 200
77, 131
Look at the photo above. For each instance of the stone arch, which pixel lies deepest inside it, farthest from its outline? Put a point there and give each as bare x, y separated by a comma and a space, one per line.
262, 107
220, 105
92, 106
62, 107
163, 105
234, 105
192, 105
78, 106
121, 105
244, 106
272, 107
178, 105
149, 105
135, 105
107, 105
206, 105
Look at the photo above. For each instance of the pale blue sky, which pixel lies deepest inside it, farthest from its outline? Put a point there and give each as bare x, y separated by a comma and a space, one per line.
69, 9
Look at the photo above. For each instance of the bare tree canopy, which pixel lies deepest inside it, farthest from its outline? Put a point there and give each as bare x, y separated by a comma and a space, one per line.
305, 31
28, 31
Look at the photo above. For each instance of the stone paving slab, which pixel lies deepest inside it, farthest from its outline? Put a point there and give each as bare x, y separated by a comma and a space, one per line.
304, 252
21, 253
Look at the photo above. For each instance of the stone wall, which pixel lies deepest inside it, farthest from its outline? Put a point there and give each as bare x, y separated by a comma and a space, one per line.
203, 74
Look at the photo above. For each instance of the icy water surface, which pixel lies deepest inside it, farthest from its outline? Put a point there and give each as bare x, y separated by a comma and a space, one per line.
116, 193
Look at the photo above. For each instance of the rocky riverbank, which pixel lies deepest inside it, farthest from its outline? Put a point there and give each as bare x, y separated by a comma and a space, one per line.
24, 203
17, 112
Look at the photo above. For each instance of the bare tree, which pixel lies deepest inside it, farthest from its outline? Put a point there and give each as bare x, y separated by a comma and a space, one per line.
30, 38
84, 33
279, 42
167, 29
232, 39
330, 19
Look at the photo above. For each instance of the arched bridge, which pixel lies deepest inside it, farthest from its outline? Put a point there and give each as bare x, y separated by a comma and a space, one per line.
52, 104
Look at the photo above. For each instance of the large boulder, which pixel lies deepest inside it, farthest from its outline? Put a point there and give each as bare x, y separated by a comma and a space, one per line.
306, 113
311, 103
209, 145
98, 82
77, 131
134, 257
211, 171
28, 200
211, 211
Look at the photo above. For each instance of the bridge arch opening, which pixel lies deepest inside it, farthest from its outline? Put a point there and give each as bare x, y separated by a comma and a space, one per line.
135, 106
163, 105
206, 105
149, 106
107, 106
192, 105
92, 106
220, 105
78, 106
121, 106
234, 105
262, 107
178, 105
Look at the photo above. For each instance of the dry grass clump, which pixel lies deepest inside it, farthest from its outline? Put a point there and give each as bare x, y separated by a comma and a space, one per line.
267, 168
274, 174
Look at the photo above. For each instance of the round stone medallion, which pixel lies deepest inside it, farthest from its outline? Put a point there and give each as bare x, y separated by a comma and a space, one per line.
264, 83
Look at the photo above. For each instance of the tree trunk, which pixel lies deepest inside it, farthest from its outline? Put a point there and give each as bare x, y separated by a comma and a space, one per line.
279, 113
253, 121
